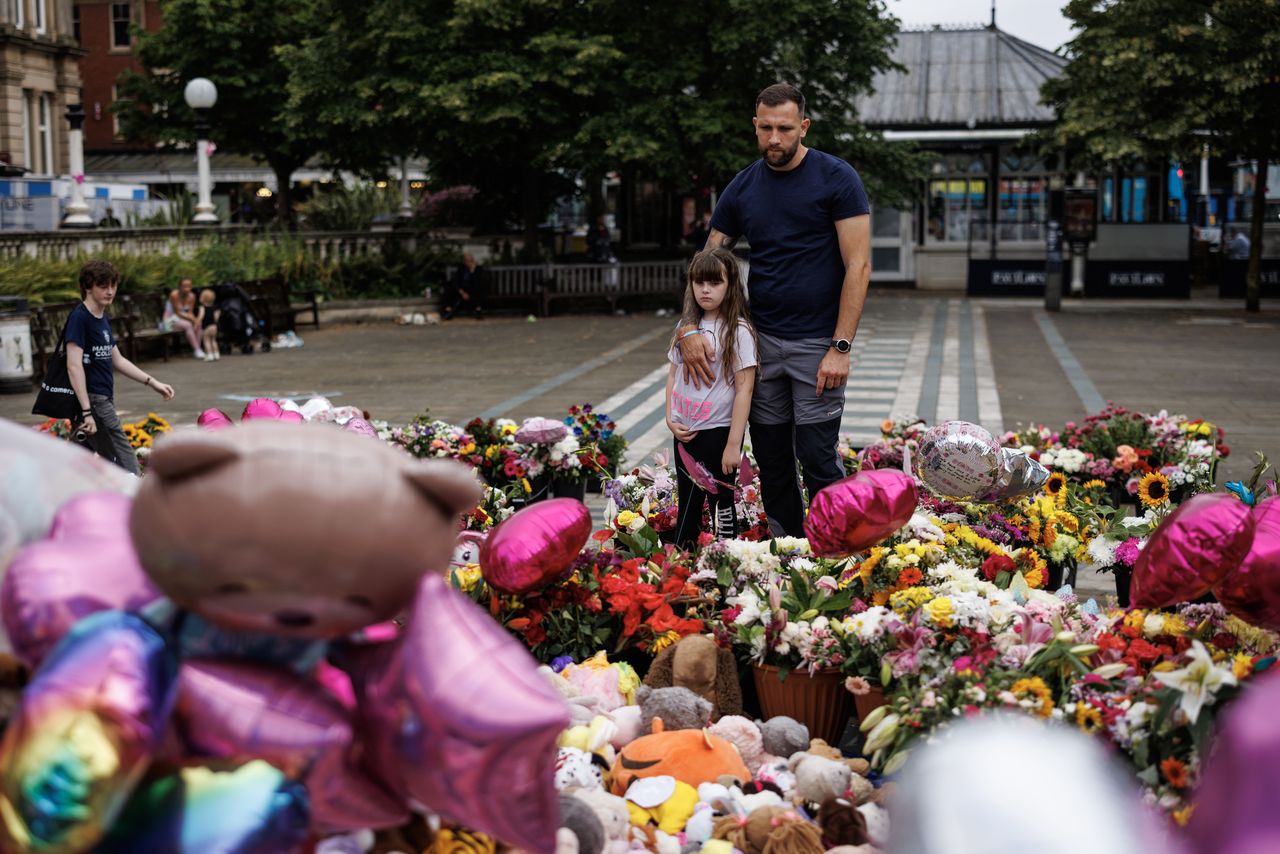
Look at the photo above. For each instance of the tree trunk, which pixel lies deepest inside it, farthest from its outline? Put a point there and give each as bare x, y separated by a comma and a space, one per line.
284, 194
1252, 287
531, 212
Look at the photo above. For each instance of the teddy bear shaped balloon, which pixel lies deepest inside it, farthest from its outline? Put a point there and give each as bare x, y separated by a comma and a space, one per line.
217, 624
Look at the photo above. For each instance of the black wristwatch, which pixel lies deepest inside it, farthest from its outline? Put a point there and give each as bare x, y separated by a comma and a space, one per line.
843, 345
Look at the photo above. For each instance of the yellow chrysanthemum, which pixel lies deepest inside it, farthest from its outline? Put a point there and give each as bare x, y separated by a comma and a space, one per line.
940, 611
1153, 491
1241, 666
1134, 619
1037, 692
906, 601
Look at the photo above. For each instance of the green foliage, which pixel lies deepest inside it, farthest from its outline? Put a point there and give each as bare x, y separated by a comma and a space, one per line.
236, 44
1156, 78
349, 208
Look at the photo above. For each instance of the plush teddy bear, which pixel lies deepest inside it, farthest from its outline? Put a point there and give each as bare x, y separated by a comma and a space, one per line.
612, 812
745, 735
627, 725
819, 747
677, 708
582, 709
783, 736
577, 769
818, 779
578, 817
593, 738
696, 662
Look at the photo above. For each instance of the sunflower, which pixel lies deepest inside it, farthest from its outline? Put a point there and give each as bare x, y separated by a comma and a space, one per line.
1175, 771
1055, 484
1153, 491
1037, 693
1094, 484
1088, 718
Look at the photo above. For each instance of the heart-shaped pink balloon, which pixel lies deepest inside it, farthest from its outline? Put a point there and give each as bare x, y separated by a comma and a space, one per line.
359, 425
214, 419
241, 710
262, 407
456, 716
856, 513
1197, 546
535, 546
90, 565
1252, 592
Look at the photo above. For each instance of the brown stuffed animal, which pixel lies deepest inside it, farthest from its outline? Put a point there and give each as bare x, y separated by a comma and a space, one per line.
709, 671
819, 747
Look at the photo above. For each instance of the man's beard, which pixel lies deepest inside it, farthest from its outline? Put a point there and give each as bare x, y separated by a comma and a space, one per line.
780, 158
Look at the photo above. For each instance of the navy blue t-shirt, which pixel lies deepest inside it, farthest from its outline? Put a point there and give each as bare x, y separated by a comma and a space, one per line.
789, 218
93, 334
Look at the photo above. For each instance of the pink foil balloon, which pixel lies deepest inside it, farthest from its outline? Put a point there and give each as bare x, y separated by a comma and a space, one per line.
291, 416
456, 716
239, 710
214, 419
1196, 547
856, 513
91, 566
1252, 592
85, 733
262, 407
535, 546
1236, 798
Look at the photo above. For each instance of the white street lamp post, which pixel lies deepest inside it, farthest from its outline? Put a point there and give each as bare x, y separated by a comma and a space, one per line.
201, 95
77, 211
406, 209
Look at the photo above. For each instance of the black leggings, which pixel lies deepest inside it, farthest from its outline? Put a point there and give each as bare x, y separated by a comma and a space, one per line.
707, 447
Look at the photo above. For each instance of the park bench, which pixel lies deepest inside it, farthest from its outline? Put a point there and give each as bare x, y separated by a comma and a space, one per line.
273, 303
142, 313
47, 322
538, 286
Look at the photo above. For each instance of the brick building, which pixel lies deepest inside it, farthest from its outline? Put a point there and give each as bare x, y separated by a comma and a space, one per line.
103, 29
41, 76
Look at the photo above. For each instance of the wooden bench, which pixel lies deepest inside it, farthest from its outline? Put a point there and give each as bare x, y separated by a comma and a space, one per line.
522, 285
273, 303
47, 322
142, 313
613, 283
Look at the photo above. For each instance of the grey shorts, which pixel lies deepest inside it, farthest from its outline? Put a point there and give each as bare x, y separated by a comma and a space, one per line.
786, 391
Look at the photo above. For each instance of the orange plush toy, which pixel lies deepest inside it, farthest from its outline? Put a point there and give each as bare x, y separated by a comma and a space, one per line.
692, 756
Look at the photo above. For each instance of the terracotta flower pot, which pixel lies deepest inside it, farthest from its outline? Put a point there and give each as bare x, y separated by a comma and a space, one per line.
867, 703
820, 702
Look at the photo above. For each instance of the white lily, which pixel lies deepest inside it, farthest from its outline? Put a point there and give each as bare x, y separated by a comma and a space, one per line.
1198, 681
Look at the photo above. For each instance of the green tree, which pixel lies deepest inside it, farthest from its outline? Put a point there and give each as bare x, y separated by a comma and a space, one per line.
1156, 79
236, 44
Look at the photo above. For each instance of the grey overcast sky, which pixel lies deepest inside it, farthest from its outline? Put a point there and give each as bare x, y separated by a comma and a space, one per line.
1038, 21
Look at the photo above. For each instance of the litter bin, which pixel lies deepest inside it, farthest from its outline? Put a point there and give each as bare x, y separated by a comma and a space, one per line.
15, 346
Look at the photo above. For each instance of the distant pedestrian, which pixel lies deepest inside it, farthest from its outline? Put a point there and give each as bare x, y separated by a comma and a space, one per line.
806, 216
209, 325
180, 312
92, 356
599, 243
466, 290
110, 220
699, 231
1238, 246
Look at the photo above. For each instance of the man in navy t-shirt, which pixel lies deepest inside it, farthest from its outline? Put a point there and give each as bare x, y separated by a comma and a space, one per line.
805, 215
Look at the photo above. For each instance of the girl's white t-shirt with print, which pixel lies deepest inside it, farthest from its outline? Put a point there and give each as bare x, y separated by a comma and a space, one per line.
707, 407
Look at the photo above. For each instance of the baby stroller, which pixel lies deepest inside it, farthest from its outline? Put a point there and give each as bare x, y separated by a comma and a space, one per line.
238, 325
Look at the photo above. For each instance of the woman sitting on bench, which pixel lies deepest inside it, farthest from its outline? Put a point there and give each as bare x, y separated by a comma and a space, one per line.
180, 313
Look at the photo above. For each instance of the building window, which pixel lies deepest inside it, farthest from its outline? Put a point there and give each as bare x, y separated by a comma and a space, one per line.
28, 154
38, 6
44, 131
1130, 196
1024, 185
958, 206
15, 13
75, 22
121, 18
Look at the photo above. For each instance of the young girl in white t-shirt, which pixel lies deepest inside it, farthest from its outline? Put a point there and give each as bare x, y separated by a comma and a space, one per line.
709, 422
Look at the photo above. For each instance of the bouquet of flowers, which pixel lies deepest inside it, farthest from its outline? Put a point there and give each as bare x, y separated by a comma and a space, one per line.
59, 427
426, 437
503, 461
596, 430
897, 435
647, 493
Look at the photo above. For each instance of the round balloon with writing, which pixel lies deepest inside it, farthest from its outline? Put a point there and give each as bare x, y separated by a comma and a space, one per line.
958, 460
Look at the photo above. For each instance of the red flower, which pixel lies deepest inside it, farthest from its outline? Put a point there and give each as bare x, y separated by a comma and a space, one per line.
996, 564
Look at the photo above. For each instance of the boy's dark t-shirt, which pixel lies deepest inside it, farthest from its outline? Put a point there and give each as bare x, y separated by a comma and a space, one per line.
93, 334
797, 272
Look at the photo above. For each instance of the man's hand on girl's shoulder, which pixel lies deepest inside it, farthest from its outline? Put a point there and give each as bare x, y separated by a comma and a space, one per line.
697, 357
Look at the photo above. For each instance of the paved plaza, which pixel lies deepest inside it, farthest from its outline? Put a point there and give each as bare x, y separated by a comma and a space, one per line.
997, 362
